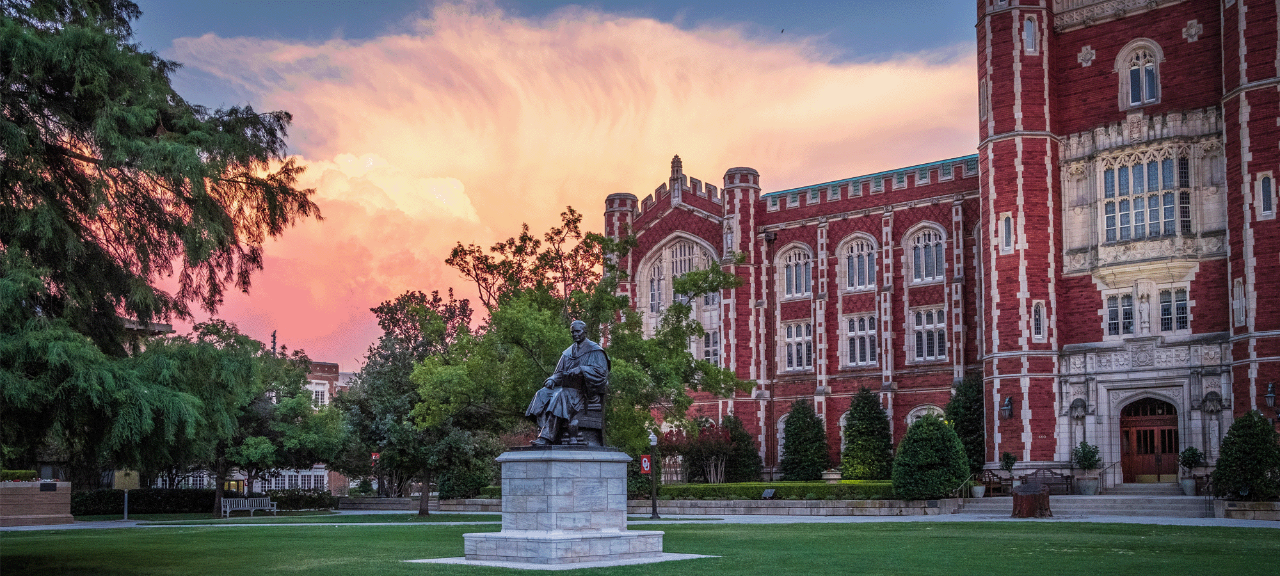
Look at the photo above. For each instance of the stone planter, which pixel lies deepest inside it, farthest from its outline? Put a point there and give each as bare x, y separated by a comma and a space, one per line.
1188, 486
831, 476
1087, 486
35, 503
979, 491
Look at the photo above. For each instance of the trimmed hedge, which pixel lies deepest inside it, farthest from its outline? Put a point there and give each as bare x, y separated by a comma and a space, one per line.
845, 490
187, 500
17, 475
931, 461
490, 492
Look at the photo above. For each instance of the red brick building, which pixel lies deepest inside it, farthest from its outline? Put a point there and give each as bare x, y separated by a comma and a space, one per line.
1101, 261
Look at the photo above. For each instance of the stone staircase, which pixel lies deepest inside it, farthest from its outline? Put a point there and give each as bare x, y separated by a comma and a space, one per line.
1121, 500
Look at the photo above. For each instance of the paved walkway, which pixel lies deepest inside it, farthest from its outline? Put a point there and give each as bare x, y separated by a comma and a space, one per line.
719, 519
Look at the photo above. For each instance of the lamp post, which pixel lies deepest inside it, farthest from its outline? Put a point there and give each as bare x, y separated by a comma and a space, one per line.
653, 475
1270, 398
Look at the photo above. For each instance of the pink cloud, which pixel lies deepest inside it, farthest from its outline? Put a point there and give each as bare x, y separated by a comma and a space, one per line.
473, 121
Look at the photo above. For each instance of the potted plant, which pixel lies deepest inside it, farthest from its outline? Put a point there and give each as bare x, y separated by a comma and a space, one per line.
1085, 457
977, 488
1190, 459
1007, 460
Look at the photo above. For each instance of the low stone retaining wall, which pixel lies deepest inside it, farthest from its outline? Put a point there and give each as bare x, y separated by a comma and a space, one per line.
800, 507
1246, 510
472, 505
766, 507
35, 503
361, 503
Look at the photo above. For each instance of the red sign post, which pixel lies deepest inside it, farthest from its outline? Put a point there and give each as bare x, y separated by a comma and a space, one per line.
646, 464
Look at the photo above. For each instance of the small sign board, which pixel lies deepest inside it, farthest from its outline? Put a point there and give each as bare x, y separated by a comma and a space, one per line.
646, 464
375, 456
48, 486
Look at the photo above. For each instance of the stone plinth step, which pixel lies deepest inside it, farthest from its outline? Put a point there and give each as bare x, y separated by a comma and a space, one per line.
539, 547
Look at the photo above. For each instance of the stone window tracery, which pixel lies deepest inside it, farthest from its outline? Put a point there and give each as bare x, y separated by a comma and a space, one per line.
797, 273
928, 262
860, 268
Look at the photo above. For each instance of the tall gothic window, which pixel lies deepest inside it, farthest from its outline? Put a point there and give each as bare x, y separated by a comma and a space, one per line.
1146, 199
797, 277
655, 286
1138, 68
861, 260
862, 340
930, 334
927, 259
798, 342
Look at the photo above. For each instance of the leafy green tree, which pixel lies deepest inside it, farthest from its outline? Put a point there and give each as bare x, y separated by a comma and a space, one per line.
110, 181
532, 293
804, 455
868, 450
931, 462
967, 414
743, 464
1248, 467
57, 388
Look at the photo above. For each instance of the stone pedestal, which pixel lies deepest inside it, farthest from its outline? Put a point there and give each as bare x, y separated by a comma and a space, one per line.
563, 505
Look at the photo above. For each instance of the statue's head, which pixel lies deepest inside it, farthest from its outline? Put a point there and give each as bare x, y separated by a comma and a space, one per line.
579, 330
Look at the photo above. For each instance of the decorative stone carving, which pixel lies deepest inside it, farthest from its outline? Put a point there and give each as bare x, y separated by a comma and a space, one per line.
1077, 262
1142, 355
1171, 357
1118, 398
1135, 127
1210, 355
1077, 365
1192, 31
1085, 57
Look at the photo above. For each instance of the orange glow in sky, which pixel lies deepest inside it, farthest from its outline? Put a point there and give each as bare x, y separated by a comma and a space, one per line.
475, 121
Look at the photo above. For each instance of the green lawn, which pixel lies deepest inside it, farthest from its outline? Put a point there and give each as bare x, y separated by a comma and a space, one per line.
897, 548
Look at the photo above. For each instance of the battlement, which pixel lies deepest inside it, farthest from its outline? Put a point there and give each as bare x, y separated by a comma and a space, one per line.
681, 188
1139, 128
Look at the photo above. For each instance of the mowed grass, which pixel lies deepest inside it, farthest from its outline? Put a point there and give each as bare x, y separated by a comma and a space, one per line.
890, 548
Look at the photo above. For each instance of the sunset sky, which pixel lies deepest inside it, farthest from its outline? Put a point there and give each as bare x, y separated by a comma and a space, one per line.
427, 123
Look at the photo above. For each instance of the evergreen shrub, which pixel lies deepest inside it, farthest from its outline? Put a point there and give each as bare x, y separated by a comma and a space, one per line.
1249, 465
743, 464
967, 414
931, 462
804, 446
868, 450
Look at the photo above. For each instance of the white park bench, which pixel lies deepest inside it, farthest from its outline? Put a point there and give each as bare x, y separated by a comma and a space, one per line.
250, 504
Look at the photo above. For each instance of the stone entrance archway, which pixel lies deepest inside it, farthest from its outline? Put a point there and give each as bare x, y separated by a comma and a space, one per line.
1149, 441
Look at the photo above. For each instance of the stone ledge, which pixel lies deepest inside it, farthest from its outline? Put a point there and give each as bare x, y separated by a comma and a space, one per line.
542, 547
1246, 510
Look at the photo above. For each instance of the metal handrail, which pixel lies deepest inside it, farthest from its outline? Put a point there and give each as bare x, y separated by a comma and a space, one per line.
1103, 474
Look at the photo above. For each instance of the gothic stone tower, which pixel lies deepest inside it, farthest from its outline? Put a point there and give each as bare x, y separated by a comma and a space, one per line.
1020, 228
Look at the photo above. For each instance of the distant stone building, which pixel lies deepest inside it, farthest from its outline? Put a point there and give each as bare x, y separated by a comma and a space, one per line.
1101, 262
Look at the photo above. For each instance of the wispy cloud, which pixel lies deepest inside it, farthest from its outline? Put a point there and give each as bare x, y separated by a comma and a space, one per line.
472, 121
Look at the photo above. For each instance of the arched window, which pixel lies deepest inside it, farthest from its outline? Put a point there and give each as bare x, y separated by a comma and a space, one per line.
797, 279
1029, 44
1138, 68
927, 260
1037, 321
655, 286
1006, 232
861, 265
921, 411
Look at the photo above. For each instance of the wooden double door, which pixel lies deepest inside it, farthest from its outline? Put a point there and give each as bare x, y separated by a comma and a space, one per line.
1149, 441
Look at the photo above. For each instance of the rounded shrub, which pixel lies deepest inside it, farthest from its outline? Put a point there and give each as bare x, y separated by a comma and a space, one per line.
1249, 464
931, 461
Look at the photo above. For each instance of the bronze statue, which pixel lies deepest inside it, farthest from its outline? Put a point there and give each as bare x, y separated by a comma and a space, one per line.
570, 405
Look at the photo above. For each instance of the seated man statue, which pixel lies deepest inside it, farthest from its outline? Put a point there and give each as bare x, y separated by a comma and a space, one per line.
581, 379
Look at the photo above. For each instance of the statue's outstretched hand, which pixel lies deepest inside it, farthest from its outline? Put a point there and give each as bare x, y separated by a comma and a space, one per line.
549, 383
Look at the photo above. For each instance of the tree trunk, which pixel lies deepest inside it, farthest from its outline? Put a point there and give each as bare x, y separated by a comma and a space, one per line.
219, 472
1031, 501
424, 503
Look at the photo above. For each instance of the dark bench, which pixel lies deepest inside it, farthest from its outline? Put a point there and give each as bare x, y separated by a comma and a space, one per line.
1059, 484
